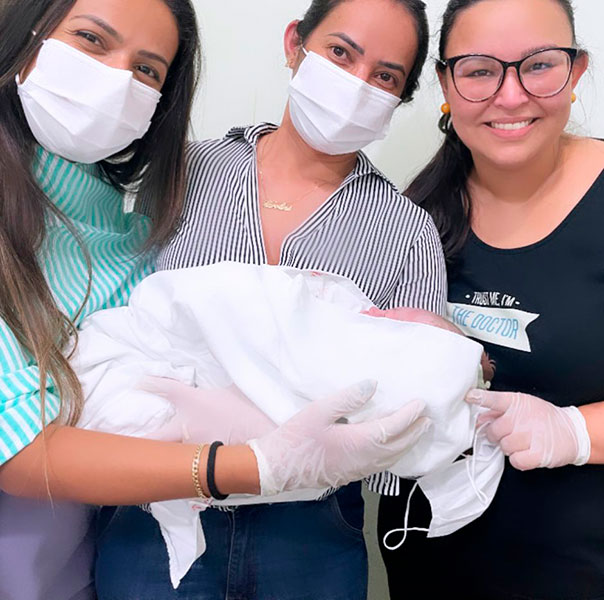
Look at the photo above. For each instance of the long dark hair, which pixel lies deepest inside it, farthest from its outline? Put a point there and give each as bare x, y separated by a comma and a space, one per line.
319, 9
153, 167
442, 186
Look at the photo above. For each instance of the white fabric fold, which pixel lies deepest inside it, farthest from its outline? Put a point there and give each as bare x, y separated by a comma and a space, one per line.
284, 337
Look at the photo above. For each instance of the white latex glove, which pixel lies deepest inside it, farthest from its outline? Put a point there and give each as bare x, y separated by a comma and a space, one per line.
532, 432
313, 451
221, 414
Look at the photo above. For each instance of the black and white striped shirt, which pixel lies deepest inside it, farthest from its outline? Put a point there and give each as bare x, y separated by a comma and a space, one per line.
366, 231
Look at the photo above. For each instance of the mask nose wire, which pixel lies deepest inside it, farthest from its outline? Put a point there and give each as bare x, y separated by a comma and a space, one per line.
405, 529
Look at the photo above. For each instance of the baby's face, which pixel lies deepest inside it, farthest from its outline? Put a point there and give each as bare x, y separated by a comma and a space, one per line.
417, 315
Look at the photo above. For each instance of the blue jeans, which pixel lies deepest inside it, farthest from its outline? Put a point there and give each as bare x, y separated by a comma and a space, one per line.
292, 551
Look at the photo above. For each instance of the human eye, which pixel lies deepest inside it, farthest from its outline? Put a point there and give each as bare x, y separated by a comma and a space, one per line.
387, 80
89, 38
540, 66
148, 72
478, 73
338, 52
477, 67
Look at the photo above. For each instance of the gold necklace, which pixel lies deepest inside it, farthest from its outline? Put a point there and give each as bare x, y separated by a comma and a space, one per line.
284, 206
270, 204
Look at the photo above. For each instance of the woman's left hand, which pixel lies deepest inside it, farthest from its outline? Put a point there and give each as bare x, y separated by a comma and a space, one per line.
205, 415
532, 432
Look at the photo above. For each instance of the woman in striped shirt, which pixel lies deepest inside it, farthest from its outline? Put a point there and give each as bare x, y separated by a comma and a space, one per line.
300, 195
68, 249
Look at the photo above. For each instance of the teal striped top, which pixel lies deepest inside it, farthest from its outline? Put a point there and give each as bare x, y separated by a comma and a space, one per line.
113, 239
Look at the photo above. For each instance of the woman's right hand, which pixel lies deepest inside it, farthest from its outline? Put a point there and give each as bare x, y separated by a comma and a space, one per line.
313, 450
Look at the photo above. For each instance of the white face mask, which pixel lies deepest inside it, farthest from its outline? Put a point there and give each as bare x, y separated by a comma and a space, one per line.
81, 109
458, 493
335, 112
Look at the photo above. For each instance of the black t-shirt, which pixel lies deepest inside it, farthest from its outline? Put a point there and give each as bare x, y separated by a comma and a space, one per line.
539, 311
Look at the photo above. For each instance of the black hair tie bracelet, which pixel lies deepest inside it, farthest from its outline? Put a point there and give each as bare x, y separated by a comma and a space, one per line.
211, 470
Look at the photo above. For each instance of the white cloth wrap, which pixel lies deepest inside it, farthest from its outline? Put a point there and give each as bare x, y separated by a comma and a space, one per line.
284, 337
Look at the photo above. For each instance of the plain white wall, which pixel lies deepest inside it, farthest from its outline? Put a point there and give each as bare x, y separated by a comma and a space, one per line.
245, 80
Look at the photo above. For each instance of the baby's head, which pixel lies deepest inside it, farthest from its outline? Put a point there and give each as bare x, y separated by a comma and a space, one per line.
417, 315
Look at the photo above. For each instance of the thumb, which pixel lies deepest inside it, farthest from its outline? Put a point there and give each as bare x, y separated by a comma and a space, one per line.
374, 311
496, 401
159, 386
178, 394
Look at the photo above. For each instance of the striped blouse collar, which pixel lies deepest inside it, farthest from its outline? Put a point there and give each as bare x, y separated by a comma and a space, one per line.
77, 190
363, 168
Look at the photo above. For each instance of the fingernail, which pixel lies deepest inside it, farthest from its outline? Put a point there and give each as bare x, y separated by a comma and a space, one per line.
367, 387
475, 396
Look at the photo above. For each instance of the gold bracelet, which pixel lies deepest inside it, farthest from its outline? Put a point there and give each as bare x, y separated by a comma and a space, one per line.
195, 472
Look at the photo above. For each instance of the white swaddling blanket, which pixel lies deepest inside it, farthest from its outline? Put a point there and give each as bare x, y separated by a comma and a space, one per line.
283, 337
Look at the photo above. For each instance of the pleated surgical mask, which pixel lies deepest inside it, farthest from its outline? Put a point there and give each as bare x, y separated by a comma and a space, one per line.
81, 109
335, 112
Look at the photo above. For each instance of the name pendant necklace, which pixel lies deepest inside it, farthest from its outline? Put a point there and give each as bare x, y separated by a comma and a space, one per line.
281, 206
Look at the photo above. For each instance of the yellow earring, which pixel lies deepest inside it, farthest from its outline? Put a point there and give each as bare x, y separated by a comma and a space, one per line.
573, 98
446, 108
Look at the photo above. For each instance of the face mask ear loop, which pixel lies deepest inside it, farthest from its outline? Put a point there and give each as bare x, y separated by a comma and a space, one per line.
471, 467
405, 529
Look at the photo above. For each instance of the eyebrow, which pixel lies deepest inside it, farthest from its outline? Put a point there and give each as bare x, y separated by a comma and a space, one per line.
538, 49
102, 24
349, 41
361, 51
394, 66
153, 56
113, 33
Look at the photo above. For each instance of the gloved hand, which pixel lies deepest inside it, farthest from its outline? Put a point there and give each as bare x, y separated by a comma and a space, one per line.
313, 450
222, 414
532, 432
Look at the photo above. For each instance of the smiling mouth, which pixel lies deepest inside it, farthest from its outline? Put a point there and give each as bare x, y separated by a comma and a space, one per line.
511, 126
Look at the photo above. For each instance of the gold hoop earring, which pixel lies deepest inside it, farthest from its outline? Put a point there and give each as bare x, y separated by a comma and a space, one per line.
573, 98
445, 109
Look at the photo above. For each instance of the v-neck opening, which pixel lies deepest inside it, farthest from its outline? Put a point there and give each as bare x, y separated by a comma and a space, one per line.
308, 225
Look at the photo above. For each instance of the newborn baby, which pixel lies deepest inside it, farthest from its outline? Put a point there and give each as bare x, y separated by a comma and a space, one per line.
272, 338
203, 414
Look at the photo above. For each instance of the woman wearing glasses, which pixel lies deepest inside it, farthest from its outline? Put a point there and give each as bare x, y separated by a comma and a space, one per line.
520, 206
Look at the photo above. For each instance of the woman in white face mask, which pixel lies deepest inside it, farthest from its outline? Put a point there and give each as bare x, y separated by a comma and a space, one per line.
301, 195
95, 98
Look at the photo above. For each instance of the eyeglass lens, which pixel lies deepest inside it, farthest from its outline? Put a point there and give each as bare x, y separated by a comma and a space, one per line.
542, 74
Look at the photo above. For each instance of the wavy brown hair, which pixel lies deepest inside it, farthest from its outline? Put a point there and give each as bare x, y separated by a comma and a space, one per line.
153, 167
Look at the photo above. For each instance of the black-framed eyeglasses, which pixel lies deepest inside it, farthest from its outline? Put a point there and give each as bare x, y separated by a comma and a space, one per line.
543, 74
